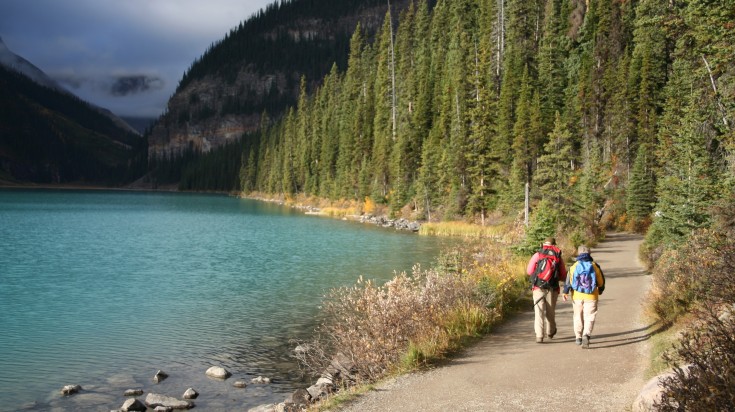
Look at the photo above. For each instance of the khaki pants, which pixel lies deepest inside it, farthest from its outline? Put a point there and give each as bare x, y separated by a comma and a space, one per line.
545, 311
585, 312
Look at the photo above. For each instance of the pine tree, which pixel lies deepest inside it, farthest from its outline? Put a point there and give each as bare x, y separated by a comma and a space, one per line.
482, 163
384, 120
458, 66
551, 75
618, 131
429, 190
432, 190
305, 172
524, 147
648, 67
554, 175
641, 193
404, 157
688, 184
287, 172
590, 193
352, 119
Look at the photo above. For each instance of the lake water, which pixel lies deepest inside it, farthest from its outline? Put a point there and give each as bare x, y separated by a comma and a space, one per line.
103, 289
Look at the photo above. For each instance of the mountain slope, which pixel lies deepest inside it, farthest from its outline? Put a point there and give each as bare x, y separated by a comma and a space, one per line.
49, 136
257, 67
19, 64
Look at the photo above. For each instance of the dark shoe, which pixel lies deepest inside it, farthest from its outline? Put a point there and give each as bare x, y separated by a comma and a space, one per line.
578, 341
551, 335
586, 341
539, 340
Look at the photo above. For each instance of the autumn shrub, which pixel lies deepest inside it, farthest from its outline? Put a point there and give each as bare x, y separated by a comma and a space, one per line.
411, 319
704, 358
681, 275
670, 295
704, 364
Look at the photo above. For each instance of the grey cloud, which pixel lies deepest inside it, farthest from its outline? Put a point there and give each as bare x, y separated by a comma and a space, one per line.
71, 82
127, 85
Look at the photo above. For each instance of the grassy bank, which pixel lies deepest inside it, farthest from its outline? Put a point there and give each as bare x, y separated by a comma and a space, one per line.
416, 319
465, 230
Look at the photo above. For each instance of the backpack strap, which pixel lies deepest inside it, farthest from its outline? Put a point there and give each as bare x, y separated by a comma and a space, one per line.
600, 288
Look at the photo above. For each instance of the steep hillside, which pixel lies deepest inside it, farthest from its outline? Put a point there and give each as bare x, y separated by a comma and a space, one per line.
19, 64
49, 136
257, 67
580, 115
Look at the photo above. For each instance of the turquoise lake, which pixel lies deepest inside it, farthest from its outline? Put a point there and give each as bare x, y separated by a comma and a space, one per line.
104, 288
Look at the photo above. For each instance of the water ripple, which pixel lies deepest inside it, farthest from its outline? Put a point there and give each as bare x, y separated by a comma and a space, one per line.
99, 285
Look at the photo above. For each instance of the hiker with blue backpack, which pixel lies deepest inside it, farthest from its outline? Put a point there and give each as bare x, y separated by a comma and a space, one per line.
546, 269
586, 282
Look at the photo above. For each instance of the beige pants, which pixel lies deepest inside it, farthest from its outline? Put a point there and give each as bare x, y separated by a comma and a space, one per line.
585, 312
545, 310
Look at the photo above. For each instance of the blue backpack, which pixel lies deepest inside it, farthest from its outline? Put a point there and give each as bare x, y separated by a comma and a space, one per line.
584, 279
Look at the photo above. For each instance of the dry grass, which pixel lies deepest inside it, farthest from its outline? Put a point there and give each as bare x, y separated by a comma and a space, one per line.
416, 319
499, 232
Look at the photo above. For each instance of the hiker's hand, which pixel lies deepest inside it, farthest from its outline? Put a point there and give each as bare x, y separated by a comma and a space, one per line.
566, 297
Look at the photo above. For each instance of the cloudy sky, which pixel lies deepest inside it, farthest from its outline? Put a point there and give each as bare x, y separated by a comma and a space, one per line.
124, 55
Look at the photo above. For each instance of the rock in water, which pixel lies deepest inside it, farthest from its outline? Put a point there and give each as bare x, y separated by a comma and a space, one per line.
190, 394
218, 372
133, 405
154, 400
159, 376
70, 389
261, 379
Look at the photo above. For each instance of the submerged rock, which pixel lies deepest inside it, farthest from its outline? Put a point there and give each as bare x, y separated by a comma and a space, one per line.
154, 400
70, 389
270, 407
159, 376
261, 379
133, 392
240, 384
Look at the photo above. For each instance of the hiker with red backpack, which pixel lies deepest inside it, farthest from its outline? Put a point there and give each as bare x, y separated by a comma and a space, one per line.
546, 269
586, 282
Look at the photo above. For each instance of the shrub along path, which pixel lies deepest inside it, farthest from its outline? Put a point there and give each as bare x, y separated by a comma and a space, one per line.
509, 371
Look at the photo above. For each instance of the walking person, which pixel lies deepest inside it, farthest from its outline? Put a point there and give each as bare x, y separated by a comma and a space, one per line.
546, 269
586, 282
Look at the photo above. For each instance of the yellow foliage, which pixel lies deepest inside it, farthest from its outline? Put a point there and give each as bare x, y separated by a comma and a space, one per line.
369, 207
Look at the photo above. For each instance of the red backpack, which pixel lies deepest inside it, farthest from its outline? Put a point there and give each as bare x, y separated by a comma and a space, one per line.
546, 274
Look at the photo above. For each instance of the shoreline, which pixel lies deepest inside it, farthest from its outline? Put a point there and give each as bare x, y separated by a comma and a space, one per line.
346, 210
377, 220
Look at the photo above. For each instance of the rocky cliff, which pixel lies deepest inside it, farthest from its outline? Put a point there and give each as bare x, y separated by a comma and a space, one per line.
257, 68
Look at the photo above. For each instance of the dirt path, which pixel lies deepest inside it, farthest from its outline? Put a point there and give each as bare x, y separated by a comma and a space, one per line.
508, 371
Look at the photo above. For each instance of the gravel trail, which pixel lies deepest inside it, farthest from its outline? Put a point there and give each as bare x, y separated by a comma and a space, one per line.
509, 371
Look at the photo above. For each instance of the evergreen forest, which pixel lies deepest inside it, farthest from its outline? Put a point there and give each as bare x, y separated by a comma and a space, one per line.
611, 113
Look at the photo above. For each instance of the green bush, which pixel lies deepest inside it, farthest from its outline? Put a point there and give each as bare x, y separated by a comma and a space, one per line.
543, 223
686, 275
